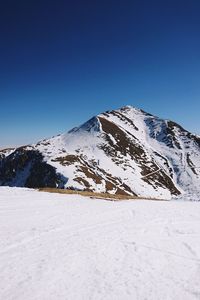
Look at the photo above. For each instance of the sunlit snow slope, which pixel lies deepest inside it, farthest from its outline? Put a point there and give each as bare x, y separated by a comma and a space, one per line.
70, 247
126, 151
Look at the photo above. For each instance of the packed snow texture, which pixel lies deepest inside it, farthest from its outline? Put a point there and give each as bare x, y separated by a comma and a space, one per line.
71, 247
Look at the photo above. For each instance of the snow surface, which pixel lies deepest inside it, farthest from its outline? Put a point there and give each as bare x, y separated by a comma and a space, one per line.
71, 247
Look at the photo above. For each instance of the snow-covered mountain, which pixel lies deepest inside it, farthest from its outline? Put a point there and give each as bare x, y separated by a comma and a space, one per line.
125, 151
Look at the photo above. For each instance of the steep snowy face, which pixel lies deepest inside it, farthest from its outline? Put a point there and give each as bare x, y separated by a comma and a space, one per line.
180, 149
175, 150
125, 151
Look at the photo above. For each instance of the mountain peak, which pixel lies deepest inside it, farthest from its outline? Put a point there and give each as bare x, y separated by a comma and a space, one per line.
92, 125
128, 107
123, 151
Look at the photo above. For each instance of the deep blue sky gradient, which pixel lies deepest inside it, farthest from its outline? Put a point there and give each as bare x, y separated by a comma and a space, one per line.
62, 62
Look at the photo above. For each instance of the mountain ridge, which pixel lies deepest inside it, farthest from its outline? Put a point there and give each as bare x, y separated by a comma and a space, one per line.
125, 151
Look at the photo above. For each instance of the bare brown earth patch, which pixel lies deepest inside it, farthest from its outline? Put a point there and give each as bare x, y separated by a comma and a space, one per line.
83, 182
93, 195
67, 160
123, 144
91, 170
90, 174
109, 186
124, 118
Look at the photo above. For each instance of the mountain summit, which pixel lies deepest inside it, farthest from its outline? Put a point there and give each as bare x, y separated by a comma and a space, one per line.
124, 151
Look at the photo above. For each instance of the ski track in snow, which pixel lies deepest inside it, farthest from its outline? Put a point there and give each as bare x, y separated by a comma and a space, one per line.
71, 247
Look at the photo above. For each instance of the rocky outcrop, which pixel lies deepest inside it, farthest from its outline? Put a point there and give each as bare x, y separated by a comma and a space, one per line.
26, 168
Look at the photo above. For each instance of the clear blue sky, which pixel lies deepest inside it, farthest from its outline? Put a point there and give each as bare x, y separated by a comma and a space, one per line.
62, 62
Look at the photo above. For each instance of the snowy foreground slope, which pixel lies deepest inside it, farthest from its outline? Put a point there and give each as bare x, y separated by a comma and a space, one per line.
70, 247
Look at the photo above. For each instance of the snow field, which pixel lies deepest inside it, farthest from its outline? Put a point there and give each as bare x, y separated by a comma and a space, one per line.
71, 247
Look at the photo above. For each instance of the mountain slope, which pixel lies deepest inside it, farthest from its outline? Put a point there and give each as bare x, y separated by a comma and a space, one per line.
125, 151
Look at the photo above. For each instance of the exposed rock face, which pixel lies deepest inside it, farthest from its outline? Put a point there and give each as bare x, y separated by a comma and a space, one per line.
26, 167
126, 151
